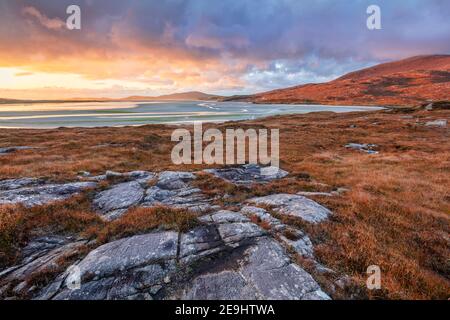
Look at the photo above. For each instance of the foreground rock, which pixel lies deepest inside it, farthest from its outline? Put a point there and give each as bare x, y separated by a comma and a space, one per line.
295, 206
249, 174
248, 254
174, 189
115, 201
226, 258
14, 149
262, 271
34, 194
41, 256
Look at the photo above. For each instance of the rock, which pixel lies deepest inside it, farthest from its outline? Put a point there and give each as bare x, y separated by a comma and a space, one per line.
295, 206
312, 194
437, 123
234, 233
40, 255
264, 271
264, 216
84, 174
43, 194
128, 253
121, 196
126, 268
172, 180
248, 174
186, 198
14, 149
226, 285
225, 216
368, 148
199, 242
12, 184
273, 173
139, 176
302, 245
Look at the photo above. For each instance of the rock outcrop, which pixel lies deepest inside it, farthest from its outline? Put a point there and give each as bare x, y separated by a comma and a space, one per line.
248, 174
295, 206
242, 254
30, 192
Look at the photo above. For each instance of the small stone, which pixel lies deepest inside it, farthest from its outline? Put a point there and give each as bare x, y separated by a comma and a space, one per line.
437, 123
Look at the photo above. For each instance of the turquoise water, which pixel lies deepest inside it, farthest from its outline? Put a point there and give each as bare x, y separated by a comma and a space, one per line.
101, 114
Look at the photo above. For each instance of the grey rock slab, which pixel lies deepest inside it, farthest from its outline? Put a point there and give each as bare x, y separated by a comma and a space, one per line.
130, 268
234, 233
226, 285
264, 216
295, 206
39, 256
264, 271
128, 253
226, 216
199, 242
269, 269
302, 245
174, 180
248, 174
43, 194
186, 197
12, 184
120, 196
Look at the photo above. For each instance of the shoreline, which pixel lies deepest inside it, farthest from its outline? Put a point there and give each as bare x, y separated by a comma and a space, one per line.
118, 116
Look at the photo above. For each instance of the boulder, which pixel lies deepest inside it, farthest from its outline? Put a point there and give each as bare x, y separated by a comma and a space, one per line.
295, 206
121, 196
437, 123
264, 271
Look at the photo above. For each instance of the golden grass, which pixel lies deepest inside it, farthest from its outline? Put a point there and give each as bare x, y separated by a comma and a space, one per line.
141, 220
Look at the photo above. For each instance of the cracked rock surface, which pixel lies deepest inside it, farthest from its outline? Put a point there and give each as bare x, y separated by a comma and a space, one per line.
228, 255
30, 193
294, 205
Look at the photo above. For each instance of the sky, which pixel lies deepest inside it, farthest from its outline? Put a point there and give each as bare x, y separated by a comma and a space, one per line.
152, 47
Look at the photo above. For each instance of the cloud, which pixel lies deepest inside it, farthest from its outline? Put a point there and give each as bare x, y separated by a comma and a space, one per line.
23, 74
217, 45
52, 24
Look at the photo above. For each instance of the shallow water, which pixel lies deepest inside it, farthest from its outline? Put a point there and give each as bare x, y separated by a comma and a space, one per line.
99, 114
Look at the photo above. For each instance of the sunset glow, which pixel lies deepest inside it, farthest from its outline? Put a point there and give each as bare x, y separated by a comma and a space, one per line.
235, 47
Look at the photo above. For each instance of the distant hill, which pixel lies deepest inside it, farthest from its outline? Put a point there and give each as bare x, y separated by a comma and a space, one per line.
193, 95
406, 82
189, 96
3, 101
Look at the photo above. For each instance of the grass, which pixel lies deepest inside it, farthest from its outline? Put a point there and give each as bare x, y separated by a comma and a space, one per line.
395, 214
142, 220
19, 224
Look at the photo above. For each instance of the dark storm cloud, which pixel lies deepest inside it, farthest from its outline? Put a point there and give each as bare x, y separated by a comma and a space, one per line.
283, 41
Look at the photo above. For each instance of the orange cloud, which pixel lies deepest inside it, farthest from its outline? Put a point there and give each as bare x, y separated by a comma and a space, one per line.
53, 24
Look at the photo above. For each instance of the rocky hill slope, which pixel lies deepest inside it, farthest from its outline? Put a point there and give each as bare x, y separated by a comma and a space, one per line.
411, 81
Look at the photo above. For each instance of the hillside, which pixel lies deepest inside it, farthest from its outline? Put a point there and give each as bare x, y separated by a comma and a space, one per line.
406, 82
